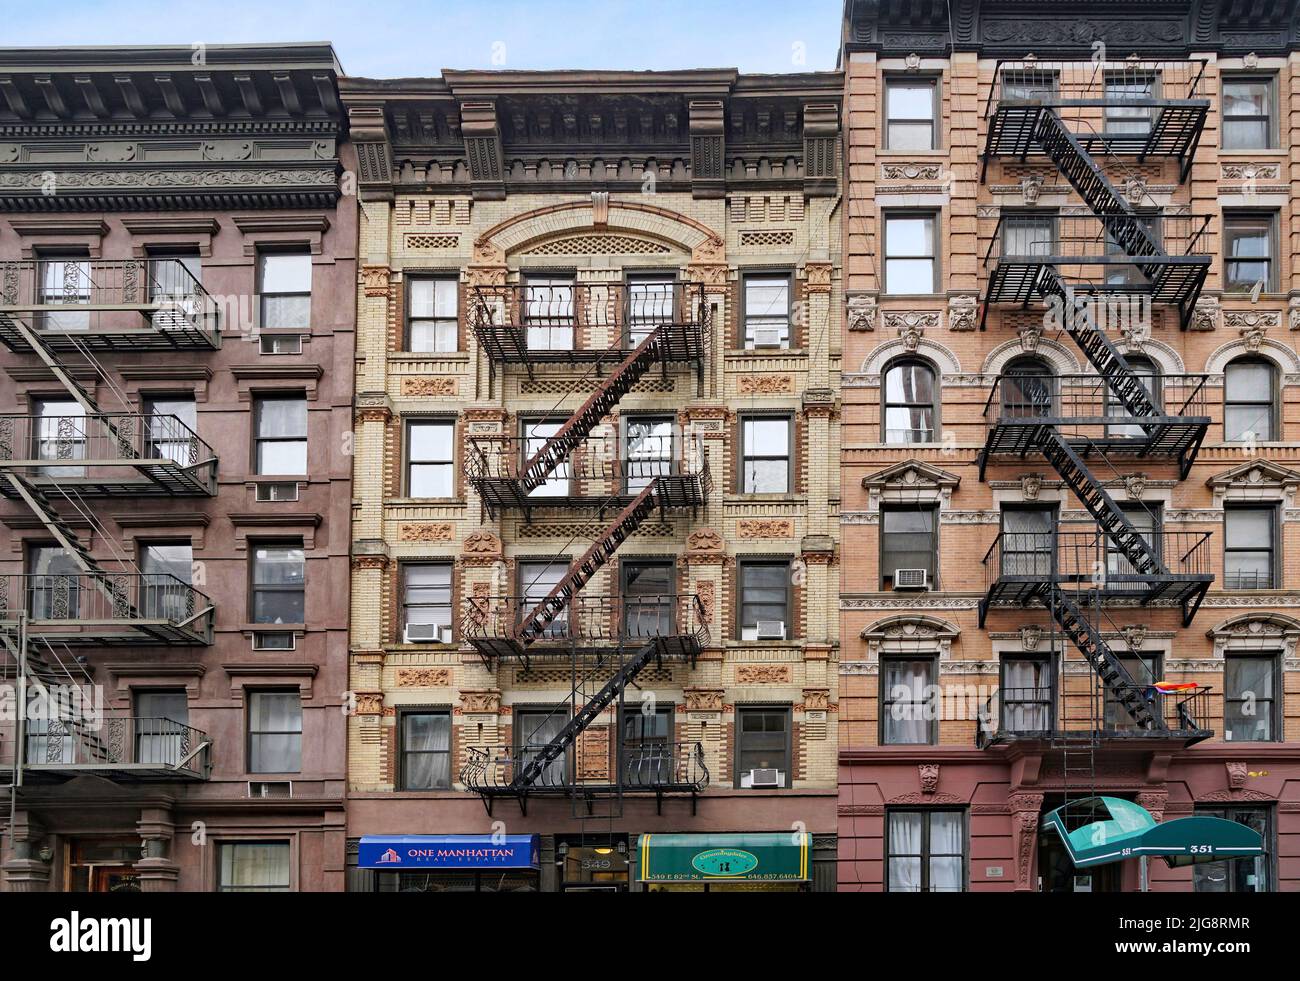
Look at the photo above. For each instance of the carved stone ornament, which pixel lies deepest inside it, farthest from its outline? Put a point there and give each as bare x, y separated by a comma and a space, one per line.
423, 677
704, 540
765, 385
1031, 188
1031, 635
818, 276
929, 774
1206, 314
862, 312
1135, 189
485, 701
911, 320
703, 699
434, 387
816, 699
1031, 484
1135, 485
1293, 313
962, 312
910, 171
763, 674
1029, 338
375, 280
1135, 636
425, 531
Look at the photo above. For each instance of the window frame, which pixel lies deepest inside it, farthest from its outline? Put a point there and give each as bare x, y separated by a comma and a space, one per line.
936, 263
1270, 856
1272, 259
1274, 546
886, 701
749, 275
1113, 103
403, 770
407, 461
287, 249
254, 586
1271, 116
743, 565
259, 402
936, 401
1050, 662
1276, 721
745, 456
1273, 392
223, 845
404, 568
408, 320
925, 855
250, 732
933, 508
787, 711
913, 81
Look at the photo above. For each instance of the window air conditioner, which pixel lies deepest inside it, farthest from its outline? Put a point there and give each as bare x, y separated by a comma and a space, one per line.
768, 337
911, 579
770, 630
767, 777
270, 788
421, 632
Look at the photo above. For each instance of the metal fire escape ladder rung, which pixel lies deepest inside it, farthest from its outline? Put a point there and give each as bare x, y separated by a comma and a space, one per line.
548, 754
37, 342
1088, 640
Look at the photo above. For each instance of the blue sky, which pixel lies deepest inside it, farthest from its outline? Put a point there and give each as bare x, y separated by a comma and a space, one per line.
393, 38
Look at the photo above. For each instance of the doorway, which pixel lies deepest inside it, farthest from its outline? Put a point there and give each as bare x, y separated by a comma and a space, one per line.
1056, 873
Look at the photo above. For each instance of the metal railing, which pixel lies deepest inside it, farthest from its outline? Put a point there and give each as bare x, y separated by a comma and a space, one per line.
1087, 403
102, 295
1041, 712
590, 620
1091, 560
596, 759
91, 608
1132, 83
72, 446
160, 746
1085, 239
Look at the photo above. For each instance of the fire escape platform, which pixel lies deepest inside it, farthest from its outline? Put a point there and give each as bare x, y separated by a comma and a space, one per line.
1172, 439
1017, 280
1175, 128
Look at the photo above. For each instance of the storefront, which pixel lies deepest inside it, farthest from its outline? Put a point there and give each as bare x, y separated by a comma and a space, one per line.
452, 863
768, 862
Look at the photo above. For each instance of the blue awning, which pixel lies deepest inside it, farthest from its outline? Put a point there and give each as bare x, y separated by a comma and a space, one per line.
394, 853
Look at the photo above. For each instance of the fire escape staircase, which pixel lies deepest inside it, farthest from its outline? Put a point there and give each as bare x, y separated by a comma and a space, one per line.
1129, 233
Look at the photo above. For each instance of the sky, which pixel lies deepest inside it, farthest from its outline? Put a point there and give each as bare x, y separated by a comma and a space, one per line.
397, 38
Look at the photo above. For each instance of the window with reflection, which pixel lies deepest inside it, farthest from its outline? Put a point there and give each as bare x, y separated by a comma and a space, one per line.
1249, 401
926, 851
911, 260
911, 402
765, 455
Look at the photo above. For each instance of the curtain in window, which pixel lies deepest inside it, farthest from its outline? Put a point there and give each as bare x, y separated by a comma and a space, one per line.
255, 867
426, 743
905, 852
905, 688
1026, 696
945, 851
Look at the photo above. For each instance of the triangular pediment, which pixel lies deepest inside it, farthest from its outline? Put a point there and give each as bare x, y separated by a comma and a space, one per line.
911, 473
1258, 472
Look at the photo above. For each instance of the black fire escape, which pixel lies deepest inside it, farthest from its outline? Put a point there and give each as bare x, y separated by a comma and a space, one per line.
63, 455
1084, 425
606, 641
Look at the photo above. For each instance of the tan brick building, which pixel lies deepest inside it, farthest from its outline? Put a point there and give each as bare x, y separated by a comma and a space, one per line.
1059, 558
595, 541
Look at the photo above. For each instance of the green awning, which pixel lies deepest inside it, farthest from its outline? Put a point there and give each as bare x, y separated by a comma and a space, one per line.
778, 857
1099, 830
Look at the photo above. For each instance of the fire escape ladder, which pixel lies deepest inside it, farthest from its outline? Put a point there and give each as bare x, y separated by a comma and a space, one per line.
541, 758
535, 623
1088, 640
598, 405
44, 672
75, 389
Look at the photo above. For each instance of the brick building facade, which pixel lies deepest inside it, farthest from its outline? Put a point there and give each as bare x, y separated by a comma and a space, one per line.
973, 152
596, 428
177, 284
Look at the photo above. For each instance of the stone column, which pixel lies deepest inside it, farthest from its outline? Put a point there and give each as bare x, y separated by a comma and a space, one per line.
1026, 810
157, 871
25, 870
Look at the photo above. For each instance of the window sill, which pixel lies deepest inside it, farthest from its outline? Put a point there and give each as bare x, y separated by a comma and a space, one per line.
427, 355
1274, 151
764, 499
767, 352
419, 501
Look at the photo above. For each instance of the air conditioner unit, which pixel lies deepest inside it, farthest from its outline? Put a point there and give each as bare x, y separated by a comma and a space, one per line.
768, 337
911, 579
767, 777
270, 788
427, 632
770, 630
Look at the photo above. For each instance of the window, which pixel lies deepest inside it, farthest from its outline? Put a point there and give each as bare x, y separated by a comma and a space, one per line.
910, 109
534, 729
648, 749
431, 323
1028, 541
1146, 371
274, 732
54, 584
767, 311
649, 304
549, 313
1248, 113
926, 851
1029, 235
762, 746
911, 266
909, 708
1249, 400
64, 281
173, 424
1026, 694
161, 718
281, 442
1250, 683
1028, 388
174, 273
911, 402
1123, 90
1249, 253
765, 455
430, 459
284, 286
425, 751
765, 601
1145, 668
254, 866
1238, 874
1146, 518
536, 580
279, 580
167, 575
649, 598
908, 540
60, 435
1119, 270
1249, 537
647, 451
1029, 85
536, 436
426, 602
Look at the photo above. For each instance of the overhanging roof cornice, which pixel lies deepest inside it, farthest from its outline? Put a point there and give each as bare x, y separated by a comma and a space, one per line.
177, 57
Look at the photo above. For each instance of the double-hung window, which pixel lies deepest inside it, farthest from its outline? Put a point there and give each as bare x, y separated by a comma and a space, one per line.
426, 602
425, 750
765, 455
767, 311
1249, 112
430, 459
1250, 692
284, 288
1249, 548
281, 441
911, 110
764, 600
431, 314
926, 851
911, 256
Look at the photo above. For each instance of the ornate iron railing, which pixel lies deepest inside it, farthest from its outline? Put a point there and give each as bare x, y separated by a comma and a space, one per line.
590, 620
595, 761
96, 608
160, 746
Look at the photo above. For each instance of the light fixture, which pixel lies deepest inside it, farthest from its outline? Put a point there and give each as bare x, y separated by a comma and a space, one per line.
604, 851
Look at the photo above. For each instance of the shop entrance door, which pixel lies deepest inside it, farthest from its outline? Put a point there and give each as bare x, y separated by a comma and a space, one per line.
594, 869
1056, 873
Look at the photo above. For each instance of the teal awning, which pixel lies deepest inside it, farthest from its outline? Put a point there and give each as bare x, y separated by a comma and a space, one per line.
1099, 830
758, 857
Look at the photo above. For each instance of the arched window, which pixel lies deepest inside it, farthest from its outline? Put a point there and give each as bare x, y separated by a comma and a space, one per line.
1028, 387
1149, 374
1250, 400
911, 402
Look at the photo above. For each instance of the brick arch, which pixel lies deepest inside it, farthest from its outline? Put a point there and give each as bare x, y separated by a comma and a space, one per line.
1281, 355
677, 231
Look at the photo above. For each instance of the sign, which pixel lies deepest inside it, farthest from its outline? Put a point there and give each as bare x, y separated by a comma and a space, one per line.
757, 857
399, 852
